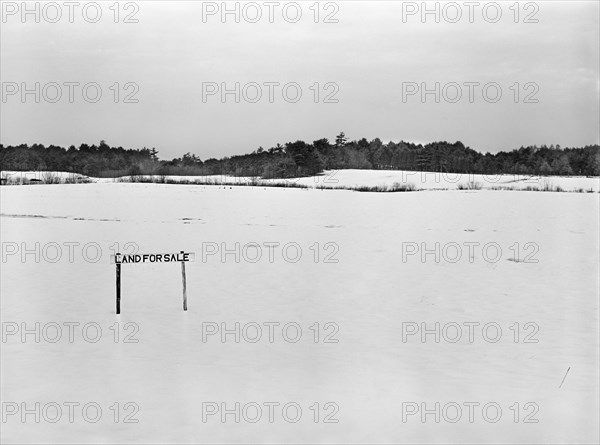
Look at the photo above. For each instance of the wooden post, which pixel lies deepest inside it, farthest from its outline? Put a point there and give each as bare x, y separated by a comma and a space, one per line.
118, 288
184, 286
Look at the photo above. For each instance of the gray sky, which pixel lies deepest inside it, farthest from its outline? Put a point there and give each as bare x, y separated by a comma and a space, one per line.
366, 56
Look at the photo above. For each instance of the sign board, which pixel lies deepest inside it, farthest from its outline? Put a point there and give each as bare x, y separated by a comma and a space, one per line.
181, 257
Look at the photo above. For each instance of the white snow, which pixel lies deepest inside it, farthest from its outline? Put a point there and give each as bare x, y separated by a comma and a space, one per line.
446, 181
369, 293
39, 176
355, 178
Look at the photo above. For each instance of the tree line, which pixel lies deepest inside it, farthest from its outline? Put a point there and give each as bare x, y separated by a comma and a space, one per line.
300, 158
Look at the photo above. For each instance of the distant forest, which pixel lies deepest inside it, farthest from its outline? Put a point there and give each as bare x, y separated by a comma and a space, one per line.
299, 158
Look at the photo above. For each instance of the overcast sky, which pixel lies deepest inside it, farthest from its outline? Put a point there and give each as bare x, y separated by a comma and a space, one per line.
367, 59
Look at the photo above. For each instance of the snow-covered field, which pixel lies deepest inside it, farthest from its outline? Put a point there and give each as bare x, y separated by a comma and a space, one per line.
445, 181
528, 265
353, 178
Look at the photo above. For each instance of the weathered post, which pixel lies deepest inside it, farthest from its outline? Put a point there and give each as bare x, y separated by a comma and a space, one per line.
184, 286
118, 287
